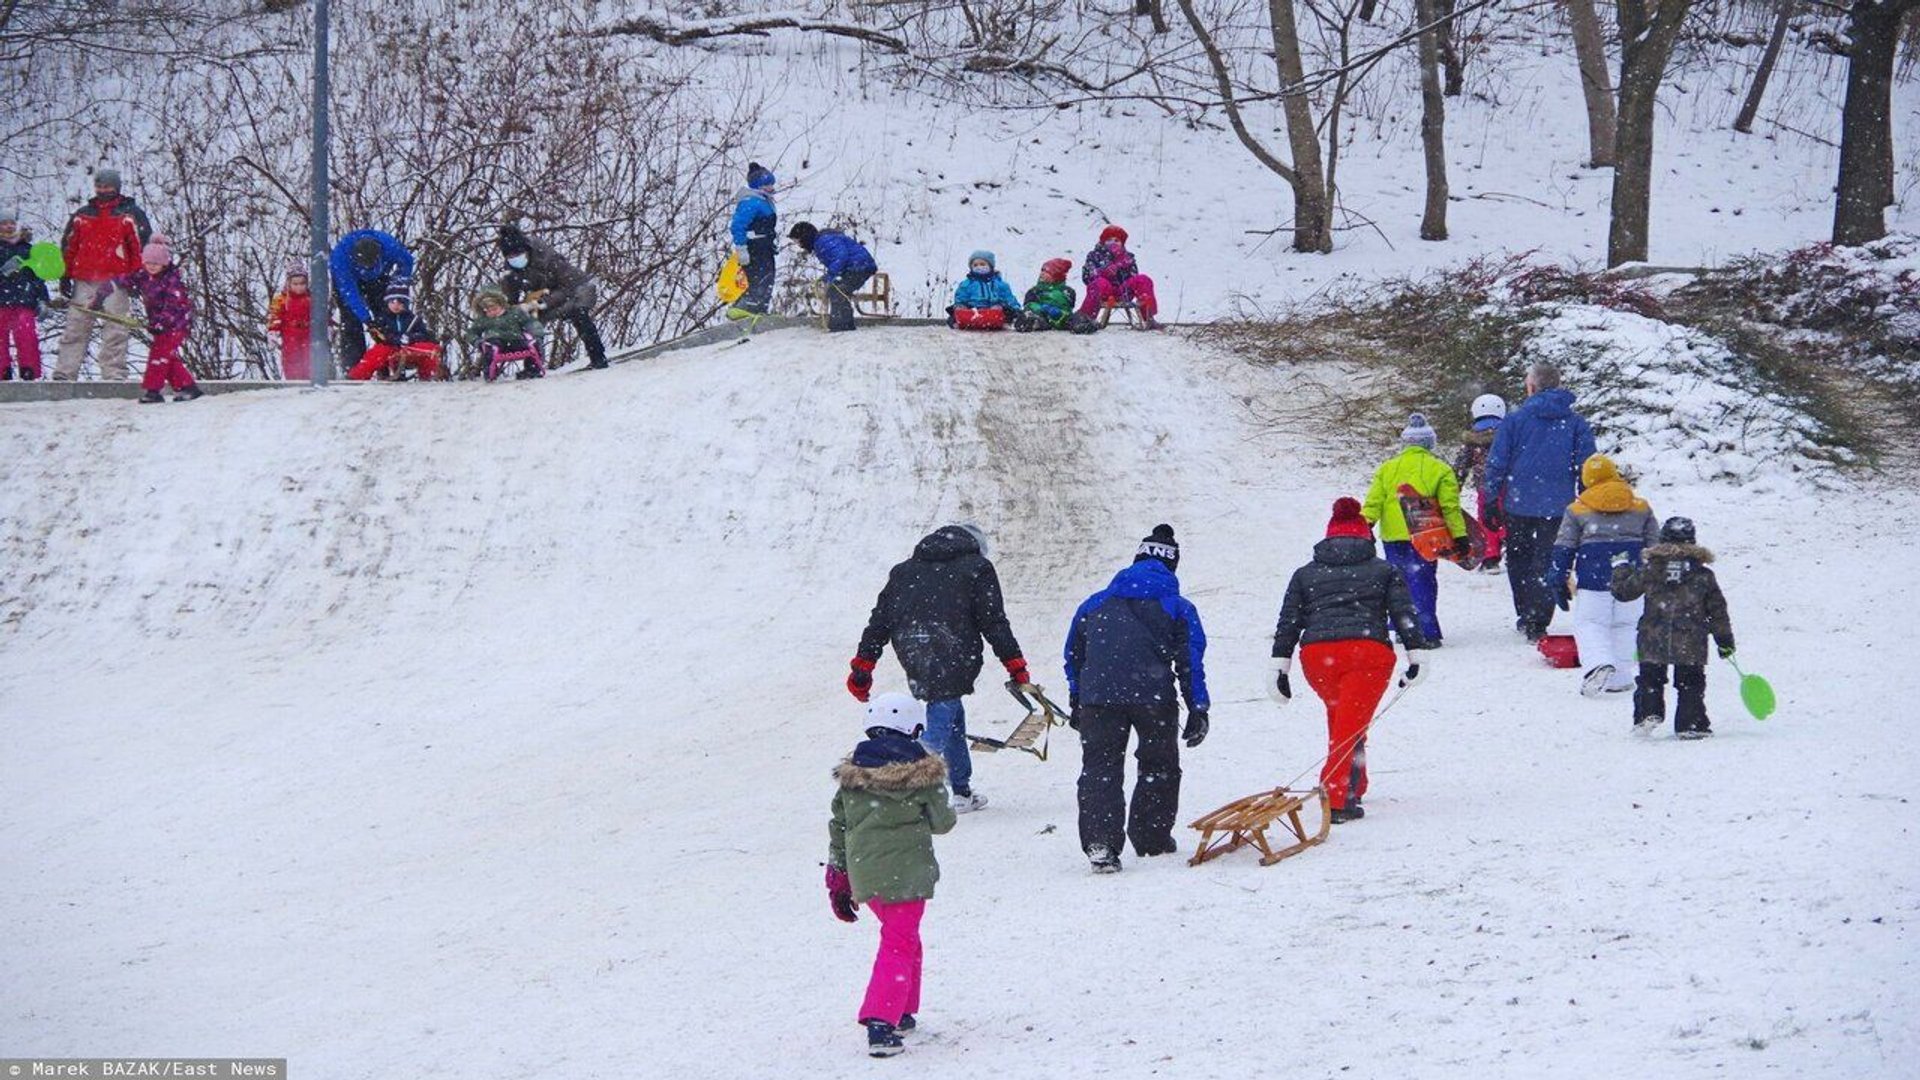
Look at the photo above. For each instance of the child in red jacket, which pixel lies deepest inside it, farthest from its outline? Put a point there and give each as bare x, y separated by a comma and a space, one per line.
290, 316
163, 294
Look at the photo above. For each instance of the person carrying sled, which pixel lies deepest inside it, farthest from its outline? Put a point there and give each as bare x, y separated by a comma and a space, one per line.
103, 241
892, 801
400, 338
848, 264
1340, 610
169, 311
1416, 467
1532, 469
1049, 305
1134, 649
290, 318
934, 610
1607, 526
21, 295
541, 281
1683, 606
365, 263
1470, 468
1113, 277
983, 300
497, 326
754, 229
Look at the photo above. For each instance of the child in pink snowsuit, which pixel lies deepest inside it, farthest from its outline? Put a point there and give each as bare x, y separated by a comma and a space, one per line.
1112, 276
21, 295
892, 801
163, 295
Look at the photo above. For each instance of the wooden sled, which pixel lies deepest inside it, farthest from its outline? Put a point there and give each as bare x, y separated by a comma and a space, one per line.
1042, 716
1245, 821
875, 301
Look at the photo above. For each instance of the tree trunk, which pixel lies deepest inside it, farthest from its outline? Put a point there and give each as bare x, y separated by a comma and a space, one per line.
1591, 49
1433, 123
1866, 122
1646, 38
1312, 214
1744, 122
1156, 9
1450, 60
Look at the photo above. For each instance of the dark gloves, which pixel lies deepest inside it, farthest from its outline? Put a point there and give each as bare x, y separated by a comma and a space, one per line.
1726, 651
1017, 670
1279, 686
1493, 517
66, 288
1416, 672
1462, 548
1073, 712
1565, 599
840, 895
1196, 732
860, 679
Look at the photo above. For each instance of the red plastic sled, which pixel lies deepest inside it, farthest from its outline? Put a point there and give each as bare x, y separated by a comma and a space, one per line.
991, 318
1560, 650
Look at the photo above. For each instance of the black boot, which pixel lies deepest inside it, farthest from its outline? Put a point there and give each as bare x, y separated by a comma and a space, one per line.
191, 393
882, 1039
152, 397
1344, 814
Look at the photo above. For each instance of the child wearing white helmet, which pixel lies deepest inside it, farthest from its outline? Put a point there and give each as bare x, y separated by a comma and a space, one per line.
1470, 466
891, 803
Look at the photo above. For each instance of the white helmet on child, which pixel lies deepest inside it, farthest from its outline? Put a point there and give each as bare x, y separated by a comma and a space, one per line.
1489, 405
897, 711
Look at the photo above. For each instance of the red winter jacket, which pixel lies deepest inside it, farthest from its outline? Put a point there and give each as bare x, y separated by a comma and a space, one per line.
290, 315
103, 238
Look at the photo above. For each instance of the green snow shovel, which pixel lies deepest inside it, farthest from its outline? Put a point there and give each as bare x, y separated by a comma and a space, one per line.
1755, 692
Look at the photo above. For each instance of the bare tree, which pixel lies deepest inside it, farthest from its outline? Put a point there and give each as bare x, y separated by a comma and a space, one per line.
1433, 121
1590, 49
1751, 106
1156, 10
1647, 32
1866, 121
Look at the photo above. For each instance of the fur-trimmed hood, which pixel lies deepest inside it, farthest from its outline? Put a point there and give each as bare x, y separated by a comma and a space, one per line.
1679, 551
929, 771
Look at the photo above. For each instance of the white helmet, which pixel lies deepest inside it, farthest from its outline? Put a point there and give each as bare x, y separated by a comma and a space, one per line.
897, 711
1489, 405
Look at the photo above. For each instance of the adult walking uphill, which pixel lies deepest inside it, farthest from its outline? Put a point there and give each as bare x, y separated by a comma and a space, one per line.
935, 609
849, 264
1417, 470
1606, 527
541, 281
1532, 472
366, 262
102, 242
1131, 645
754, 230
1342, 611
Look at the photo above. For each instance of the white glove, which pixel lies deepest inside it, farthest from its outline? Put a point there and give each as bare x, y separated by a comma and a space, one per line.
1416, 671
1279, 688
743, 255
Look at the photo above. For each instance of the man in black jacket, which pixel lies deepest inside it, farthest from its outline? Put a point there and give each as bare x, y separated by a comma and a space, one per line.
557, 289
935, 609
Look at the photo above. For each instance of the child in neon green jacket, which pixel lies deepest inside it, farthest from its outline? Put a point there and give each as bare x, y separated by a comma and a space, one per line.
1418, 467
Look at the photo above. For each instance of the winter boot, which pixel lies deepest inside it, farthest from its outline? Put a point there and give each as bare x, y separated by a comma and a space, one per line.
966, 802
1647, 725
1157, 846
907, 1023
191, 393
1596, 680
1690, 735
882, 1039
1105, 860
152, 397
1350, 812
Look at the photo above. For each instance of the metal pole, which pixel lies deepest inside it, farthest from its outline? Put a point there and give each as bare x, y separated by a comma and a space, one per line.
320, 287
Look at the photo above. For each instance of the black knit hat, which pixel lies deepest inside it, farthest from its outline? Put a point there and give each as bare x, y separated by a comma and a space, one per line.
512, 241
1160, 544
803, 234
1677, 530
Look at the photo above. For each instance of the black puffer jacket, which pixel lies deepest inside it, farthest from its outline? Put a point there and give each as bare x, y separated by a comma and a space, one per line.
567, 287
1684, 604
1346, 593
20, 287
934, 610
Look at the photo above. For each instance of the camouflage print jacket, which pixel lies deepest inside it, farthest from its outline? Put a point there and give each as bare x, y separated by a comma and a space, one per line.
1684, 604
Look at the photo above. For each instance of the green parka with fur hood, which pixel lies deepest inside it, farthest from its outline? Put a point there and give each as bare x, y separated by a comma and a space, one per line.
1684, 604
885, 817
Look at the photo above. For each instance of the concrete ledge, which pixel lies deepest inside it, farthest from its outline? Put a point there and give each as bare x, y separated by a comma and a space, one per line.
13, 393
725, 332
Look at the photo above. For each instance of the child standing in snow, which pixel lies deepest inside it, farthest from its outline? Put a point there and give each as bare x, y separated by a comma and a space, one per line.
982, 291
1049, 304
1112, 276
399, 334
1470, 468
1683, 605
1606, 527
290, 315
21, 295
1415, 466
892, 802
163, 296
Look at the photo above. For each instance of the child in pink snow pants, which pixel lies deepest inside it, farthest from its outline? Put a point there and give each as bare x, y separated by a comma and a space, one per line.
163, 294
892, 801
21, 295
1112, 275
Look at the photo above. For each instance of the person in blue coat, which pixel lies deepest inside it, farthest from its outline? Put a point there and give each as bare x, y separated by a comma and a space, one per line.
984, 288
1134, 649
849, 264
1533, 473
366, 262
754, 230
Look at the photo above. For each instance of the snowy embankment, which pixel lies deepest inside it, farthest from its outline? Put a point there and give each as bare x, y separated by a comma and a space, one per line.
473, 730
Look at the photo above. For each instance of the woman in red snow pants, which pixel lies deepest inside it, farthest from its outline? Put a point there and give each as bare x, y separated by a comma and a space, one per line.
1342, 612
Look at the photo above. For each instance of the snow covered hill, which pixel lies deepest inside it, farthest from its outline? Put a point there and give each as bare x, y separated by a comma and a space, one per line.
484, 731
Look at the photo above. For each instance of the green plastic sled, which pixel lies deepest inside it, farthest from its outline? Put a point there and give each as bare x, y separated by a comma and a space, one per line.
46, 262
1755, 692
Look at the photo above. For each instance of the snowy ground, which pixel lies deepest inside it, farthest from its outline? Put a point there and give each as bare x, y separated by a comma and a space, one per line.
484, 731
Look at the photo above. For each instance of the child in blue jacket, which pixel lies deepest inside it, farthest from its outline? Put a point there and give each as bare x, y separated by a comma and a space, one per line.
983, 289
849, 264
753, 230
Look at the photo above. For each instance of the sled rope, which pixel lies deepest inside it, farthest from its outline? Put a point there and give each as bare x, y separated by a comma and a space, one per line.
1350, 741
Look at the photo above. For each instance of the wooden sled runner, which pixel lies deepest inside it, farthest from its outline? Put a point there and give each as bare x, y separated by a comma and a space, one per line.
1042, 716
1245, 821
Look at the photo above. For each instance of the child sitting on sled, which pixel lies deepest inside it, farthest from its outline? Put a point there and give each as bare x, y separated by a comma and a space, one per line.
1684, 606
500, 329
891, 803
1113, 277
400, 338
1050, 303
984, 300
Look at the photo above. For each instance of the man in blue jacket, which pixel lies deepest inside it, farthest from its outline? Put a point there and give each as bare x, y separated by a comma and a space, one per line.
366, 262
1533, 473
848, 263
754, 231
1131, 645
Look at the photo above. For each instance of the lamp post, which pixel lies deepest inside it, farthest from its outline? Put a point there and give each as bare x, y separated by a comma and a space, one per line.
321, 288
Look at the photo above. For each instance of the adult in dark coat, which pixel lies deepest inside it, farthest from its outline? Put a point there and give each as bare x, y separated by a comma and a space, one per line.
935, 609
1131, 647
1684, 606
1339, 611
557, 289
1533, 473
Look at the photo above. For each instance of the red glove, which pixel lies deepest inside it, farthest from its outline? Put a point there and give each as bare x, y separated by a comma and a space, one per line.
840, 895
860, 680
1017, 669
